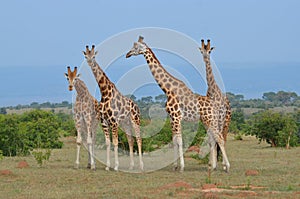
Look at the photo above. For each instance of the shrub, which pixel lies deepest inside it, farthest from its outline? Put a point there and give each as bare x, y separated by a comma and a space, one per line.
277, 129
35, 129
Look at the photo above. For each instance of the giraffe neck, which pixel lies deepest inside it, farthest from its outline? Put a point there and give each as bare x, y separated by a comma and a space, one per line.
165, 80
105, 85
80, 88
213, 87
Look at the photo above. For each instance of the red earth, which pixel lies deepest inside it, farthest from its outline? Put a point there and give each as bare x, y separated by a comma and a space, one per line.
22, 164
5, 172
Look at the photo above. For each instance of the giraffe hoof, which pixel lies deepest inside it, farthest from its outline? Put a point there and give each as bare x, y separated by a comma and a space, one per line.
226, 169
76, 166
88, 166
142, 167
93, 167
175, 168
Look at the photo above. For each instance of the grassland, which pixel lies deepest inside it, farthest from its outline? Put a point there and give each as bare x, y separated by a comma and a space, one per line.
278, 176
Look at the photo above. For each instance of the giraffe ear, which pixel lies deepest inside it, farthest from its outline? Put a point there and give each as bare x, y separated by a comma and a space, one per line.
201, 50
84, 52
66, 75
211, 49
78, 75
141, 39
96, 52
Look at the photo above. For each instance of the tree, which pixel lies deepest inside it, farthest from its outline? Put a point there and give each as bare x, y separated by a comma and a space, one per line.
275, 128
235, 100
162, 98
269, 96
42, 128
34, 105
19, 134
237, 124
286, 98
146, 100
66, 124
3, 111
281, 97
288, 133
8, 135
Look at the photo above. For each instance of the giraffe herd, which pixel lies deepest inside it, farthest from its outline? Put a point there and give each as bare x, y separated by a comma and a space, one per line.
115, 110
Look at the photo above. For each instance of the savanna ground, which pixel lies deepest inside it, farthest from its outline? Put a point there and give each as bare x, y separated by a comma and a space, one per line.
276, 175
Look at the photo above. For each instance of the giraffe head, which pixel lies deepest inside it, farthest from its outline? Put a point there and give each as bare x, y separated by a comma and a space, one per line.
138, 48
72, 77
206, 49
90, 55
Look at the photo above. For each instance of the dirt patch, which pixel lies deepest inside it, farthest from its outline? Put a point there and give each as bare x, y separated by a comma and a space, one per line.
178, 184
210, 195
6, 172
22, 164
209, 186
193, 149
251, 173
247, 187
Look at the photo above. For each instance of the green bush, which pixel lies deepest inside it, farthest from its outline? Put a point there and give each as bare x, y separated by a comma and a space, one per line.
66, 124
19, 134
1, 155
277, 129
41, 155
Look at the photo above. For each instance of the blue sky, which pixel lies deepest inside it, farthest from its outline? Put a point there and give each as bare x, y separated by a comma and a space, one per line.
53, 33
35, 32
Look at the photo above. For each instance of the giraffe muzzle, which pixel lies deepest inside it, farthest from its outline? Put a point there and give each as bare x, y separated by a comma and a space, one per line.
70, 88
128, 55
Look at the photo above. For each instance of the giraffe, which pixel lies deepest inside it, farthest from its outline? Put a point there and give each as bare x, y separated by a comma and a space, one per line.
115, 110
220, 100
182, 103
85, 115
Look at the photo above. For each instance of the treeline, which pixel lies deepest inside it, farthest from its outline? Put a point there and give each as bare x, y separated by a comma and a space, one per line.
269, 100
22, 133
36, 105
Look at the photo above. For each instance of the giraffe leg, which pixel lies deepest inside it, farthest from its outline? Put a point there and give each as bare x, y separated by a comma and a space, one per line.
107, 142
226, 164
213, 152
89, 165
178, 144
90, 149
139, 143
175, 147
130, 142
78, 142
135, 122
93, 166
215, 156
115, 142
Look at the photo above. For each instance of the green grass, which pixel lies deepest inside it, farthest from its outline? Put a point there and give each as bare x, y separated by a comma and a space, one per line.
278, 175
